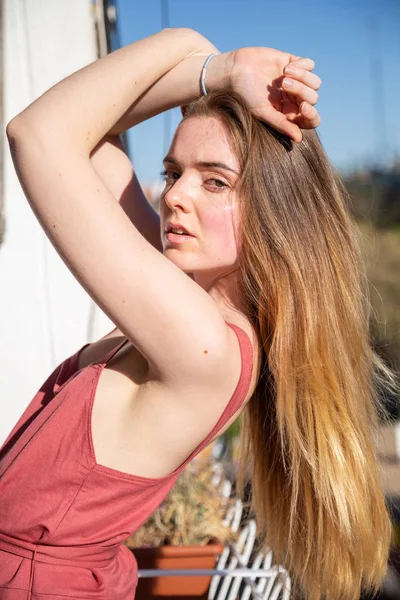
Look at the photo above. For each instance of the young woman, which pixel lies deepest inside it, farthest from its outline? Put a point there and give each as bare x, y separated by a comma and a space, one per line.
245, 292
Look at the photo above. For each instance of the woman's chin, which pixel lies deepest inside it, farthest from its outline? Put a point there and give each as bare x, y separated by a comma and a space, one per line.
179, 260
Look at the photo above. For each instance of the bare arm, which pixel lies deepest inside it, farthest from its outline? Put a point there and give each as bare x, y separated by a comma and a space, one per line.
168, 317
168, 91
134, 82
117, 172
173, 322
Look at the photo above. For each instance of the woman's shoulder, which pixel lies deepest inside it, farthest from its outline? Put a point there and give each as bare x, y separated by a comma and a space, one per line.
240, 330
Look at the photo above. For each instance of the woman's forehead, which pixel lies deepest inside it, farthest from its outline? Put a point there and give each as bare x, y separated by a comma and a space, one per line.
203, 139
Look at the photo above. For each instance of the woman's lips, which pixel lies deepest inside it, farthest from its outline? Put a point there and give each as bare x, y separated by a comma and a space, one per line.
178, 238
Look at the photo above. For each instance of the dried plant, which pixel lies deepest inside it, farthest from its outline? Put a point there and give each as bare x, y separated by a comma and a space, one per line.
191, 514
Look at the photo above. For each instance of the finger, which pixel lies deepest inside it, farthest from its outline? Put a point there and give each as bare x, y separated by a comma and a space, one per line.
279, 122
301, 91
304, 63
310, 116
311, 80
289, 106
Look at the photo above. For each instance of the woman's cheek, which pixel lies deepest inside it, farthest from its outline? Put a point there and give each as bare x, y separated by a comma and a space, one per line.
220, 225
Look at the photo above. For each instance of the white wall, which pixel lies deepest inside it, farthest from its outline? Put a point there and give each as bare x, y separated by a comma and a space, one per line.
45, 314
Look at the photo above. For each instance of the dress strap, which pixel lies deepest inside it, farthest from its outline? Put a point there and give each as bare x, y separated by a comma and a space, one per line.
247, 358
67, 371
70, 366
107, 357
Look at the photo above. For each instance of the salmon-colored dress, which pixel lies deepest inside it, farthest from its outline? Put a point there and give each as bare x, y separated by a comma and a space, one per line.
63, 517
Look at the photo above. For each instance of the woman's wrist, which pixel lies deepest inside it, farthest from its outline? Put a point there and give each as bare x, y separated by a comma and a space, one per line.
219, 70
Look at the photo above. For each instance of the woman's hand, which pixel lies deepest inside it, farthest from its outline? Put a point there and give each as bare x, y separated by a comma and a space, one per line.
260, 75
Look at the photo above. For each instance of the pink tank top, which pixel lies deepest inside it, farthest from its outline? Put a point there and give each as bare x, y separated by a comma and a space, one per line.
63, 517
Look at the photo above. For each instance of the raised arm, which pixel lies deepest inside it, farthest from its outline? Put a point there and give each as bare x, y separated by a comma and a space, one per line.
173, 322
115, 169
169, 318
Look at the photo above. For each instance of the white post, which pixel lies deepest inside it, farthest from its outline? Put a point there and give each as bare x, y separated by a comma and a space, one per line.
45, 314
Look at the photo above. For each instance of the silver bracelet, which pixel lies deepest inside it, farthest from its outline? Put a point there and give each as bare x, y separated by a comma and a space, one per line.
203, 74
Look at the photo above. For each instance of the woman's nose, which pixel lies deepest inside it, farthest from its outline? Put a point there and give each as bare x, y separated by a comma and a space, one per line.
179, 195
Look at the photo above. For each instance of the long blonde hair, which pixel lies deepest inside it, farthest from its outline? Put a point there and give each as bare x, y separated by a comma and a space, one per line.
309, 430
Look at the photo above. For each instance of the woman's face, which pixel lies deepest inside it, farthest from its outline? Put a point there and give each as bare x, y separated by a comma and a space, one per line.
201, 171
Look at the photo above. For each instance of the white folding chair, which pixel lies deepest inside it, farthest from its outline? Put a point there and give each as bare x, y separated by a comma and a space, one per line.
234, 578
259, 580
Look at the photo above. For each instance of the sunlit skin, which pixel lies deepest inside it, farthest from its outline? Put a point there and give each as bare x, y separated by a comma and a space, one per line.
202, 199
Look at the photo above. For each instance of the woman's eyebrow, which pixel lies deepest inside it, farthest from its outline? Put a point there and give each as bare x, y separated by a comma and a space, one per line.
208, 164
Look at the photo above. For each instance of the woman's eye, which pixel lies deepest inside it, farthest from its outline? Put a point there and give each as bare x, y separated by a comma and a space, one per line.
169, 175
218, 183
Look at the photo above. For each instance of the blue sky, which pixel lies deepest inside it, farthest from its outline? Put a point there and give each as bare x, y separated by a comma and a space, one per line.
342, 36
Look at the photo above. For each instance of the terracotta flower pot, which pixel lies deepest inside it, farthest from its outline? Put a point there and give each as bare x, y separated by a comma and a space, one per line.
176, 557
